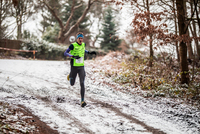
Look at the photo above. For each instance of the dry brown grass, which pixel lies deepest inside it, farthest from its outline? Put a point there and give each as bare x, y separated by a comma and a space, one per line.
163, 79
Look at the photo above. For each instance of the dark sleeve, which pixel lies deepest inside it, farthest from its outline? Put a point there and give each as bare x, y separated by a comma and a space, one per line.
86, 50
71, 47
66, 53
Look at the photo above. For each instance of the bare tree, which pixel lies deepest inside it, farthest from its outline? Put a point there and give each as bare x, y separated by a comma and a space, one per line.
189, 46
4, 13
150, 34
176, 29
97, 12
65, 30
193, 29
22, 11
48, 18
144, 26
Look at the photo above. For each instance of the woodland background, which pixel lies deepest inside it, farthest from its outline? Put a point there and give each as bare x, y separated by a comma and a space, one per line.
156, 24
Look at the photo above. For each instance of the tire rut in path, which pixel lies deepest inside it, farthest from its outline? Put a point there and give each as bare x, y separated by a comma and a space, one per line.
65, 114
129, 117
42, 126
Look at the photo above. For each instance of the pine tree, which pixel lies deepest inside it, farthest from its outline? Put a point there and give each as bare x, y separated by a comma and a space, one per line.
49, 20
110, 40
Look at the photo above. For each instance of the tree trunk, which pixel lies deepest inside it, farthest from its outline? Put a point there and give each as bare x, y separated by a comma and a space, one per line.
19, 20
195, 34
196, 40
189, 47
19, 30
176, 32
95, 39
1, 27
151, 51
150, 37
183, 47
195, 6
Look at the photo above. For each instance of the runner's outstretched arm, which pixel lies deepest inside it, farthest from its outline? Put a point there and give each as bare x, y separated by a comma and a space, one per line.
66, 53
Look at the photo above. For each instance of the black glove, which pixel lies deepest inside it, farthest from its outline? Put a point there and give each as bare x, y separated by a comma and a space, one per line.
93, 52
76, 57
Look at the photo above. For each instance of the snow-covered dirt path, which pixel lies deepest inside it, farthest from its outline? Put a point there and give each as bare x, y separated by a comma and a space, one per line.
42, 87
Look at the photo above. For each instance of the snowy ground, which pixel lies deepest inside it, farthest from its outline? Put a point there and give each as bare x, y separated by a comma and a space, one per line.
42, 87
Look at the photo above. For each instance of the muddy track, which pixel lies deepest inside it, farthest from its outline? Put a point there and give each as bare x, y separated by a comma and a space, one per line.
119, 113
103, 105
77, 123
66, 115
109, 107
42, 126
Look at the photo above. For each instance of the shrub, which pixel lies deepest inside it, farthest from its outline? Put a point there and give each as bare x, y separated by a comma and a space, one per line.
45, 50
163, 79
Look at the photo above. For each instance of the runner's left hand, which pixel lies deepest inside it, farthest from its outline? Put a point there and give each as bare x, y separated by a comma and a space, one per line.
93, 52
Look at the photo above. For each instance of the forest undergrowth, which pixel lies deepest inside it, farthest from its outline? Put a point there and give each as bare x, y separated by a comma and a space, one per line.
163, 79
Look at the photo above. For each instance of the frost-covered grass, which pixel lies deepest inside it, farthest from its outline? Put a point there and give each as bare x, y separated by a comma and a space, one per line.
42, 88
163, 79
13, 121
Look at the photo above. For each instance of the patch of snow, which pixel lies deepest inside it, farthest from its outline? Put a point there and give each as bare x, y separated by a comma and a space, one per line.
42, 87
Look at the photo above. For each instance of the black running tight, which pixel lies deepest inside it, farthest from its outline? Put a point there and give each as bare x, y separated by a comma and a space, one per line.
72, 77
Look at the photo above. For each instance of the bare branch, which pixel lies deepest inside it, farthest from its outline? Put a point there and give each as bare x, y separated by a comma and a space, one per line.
78, 6
70, 17
90, 2
195, 4
54, 14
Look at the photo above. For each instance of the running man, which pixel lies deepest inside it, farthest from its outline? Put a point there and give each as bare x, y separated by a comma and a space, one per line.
77, 51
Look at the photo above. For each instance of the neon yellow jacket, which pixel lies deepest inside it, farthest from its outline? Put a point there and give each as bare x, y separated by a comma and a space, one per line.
79, 50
